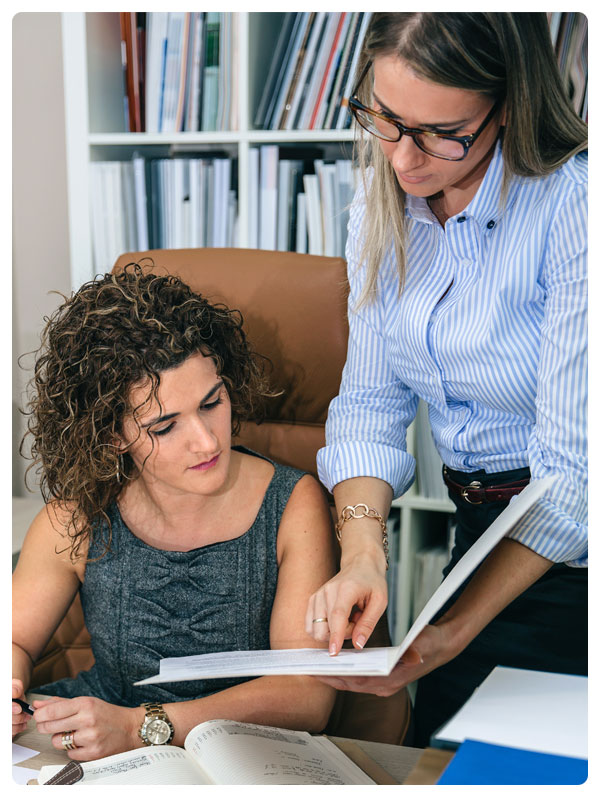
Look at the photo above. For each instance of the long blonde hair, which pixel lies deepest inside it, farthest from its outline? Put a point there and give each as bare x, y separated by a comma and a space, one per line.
505, 56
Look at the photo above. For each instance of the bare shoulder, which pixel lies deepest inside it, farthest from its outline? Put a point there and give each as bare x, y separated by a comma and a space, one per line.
48, 536
309, 489
307, 510
52, 520
305, 533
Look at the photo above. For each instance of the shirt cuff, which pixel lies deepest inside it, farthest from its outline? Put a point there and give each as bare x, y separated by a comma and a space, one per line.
551, 533
340, 461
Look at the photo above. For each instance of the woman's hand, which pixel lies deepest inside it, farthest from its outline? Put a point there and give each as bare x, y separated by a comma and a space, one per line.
99, 729
352, 602
20, 718
432, 648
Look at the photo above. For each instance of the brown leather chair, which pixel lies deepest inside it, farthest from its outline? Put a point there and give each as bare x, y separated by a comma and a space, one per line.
294, 309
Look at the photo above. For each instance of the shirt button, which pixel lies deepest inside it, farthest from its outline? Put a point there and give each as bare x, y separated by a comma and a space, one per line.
460, 219
491, 224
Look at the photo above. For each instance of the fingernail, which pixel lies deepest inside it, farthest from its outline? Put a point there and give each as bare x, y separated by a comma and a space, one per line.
333, 649
361, 640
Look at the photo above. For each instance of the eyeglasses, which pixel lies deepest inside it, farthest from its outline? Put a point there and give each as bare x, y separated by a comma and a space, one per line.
388, 128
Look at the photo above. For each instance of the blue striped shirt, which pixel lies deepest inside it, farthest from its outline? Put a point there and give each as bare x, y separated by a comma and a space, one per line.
501, 359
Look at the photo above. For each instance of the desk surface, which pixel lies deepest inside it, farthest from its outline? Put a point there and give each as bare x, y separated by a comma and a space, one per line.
393, 764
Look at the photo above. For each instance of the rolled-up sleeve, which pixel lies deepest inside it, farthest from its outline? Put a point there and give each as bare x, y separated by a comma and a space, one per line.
367, 421
556, 527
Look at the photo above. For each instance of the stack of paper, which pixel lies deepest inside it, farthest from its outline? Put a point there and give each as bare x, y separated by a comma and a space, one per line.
519, 727
528, 709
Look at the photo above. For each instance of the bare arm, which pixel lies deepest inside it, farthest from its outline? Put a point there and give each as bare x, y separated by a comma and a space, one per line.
361, 581
507, 572
44, 584
306, 558
305, 553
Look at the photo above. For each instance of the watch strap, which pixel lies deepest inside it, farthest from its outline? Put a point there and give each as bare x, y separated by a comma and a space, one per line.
154, 711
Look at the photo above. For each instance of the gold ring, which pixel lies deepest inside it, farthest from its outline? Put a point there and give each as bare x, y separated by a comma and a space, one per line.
67, 741
320, 620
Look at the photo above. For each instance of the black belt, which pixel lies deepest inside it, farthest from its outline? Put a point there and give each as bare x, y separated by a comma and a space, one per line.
476, 493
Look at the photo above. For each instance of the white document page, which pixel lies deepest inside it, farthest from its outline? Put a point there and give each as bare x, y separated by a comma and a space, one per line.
296, 661
20, 753
541, 711
370, 661
243, 753
22, 775
160, 765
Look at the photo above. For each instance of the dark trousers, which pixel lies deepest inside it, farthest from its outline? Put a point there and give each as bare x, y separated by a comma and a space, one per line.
544, 628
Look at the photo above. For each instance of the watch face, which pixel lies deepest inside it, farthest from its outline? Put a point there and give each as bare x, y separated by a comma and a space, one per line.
157, 731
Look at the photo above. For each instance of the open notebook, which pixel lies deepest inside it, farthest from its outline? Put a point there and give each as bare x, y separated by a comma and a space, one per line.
230, 753
371, 661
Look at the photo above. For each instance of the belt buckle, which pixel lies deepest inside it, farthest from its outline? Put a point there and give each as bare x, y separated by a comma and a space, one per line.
476, 485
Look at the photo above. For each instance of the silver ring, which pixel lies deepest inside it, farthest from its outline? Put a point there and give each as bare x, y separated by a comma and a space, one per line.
67, 741
320, 620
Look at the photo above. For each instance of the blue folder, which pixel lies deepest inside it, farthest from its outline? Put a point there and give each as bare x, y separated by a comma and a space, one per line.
479, 763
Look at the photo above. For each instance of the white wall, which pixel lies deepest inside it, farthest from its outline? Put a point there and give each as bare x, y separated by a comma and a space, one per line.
40, 220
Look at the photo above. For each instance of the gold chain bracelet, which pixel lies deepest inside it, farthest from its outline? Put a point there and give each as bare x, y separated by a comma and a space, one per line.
350, 512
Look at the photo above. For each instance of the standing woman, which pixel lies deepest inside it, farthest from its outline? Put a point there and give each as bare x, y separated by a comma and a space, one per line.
467, 265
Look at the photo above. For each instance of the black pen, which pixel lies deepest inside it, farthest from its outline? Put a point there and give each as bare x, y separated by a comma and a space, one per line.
25, 706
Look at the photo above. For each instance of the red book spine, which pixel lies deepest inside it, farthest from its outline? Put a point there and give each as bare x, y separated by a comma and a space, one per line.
327, 68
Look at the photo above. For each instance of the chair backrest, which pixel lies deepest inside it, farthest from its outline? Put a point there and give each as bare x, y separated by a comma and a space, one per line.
294, 310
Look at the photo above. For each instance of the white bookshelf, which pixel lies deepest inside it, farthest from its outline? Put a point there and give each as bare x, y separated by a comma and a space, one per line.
423, 522
95, 130
93, 84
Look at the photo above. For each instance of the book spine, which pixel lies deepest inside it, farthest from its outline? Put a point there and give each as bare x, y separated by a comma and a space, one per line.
335, 97
141, 201
254, 183
316, 85
184, 72
277, 102
269, 154
275, 72
211, 72
127, 66
298, 66
344, 117
301, 230
321, 104
163, 71
301, 91
140, 24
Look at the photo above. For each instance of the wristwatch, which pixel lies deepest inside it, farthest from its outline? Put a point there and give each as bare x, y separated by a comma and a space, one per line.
157, 727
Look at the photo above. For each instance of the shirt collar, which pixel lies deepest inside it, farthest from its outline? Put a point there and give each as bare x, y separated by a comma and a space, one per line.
486, 205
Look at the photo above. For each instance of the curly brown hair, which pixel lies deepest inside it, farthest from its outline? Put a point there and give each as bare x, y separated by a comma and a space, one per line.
113, 333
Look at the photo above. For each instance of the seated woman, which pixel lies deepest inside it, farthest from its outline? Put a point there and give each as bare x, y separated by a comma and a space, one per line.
178, 542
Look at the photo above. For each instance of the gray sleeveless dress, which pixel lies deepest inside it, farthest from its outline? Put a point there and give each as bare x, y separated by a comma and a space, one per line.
142, 604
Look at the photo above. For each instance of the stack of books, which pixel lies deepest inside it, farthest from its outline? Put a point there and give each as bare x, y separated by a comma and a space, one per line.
312, 72
300, 203
180, 72
161, 203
